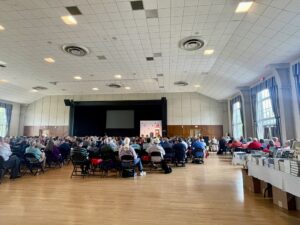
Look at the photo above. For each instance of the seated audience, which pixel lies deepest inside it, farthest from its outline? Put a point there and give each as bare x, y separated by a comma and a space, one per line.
276, 142
40, 156
126, 149
156, 148
254, 145
180, 150
263, 144
236, 144
78, 150
11, 162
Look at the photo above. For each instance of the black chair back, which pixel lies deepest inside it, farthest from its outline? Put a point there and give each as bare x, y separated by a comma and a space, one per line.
1, 163
155, 154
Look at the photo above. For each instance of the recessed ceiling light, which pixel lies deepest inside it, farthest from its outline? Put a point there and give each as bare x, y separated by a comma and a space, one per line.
209, 52
127, 88
196, 85
34, 91
3, 81
2, 63
2, 27
69, 20
118, 76
49, 60
77, 78
244, 7
95, 89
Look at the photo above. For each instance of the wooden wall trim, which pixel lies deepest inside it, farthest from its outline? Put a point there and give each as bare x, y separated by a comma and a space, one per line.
187, 130
53, 131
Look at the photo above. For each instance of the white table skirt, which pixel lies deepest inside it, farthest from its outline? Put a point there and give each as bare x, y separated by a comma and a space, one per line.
279, 179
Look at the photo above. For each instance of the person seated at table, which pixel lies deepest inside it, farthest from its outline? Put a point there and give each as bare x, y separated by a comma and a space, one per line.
11, 162
126, 149
254, 145
40, 156
263, 144
236, 144
287, 145
276, 142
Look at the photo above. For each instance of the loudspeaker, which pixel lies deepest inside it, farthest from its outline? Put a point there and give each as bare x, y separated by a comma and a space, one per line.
67, 102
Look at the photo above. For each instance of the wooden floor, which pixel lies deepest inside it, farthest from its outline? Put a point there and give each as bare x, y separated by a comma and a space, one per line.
197, 194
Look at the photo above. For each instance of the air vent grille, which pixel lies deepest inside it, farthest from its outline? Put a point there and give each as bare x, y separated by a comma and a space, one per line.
39, 88
191, 43
113, 85
181, 83
75, 50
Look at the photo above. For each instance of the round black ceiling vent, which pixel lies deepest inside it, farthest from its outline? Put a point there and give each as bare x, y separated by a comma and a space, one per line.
75, 50
113, 85
39, 88
191, 43
181, 83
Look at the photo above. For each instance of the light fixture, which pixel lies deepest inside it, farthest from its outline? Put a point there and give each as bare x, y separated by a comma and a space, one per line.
2, 27
69, 20
77, 78
95, 89
3, 81
34, 91
127, 88
2, 63
49, 60
118, 76
196, 85
243, 7
209, 52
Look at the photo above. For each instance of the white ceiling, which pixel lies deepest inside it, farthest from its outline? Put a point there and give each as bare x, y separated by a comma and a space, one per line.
244, 45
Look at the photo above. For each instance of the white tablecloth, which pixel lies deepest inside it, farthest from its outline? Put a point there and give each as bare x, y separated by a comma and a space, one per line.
279, 179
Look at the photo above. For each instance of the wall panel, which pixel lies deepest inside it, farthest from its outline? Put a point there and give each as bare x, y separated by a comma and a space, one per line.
183, 109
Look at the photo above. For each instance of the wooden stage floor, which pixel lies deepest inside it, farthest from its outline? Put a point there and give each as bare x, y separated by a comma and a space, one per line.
197, 194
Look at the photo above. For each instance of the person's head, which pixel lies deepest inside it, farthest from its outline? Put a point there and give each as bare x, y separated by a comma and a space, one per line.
275, 139
156, 141
33, 143
126, 142
255, 140
249, 139
261, 141
287, 143
271, 143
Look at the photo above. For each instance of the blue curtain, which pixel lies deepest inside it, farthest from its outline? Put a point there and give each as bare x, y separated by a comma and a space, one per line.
253, 106
273, 90
8, 110
232, 102
296, 73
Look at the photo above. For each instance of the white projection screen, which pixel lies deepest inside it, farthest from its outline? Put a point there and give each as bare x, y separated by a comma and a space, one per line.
119, 119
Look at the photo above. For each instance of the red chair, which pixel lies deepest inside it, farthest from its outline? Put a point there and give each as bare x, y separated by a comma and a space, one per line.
95, 163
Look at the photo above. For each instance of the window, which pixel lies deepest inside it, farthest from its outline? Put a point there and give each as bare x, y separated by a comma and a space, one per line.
265, 116
237, 124
3, 122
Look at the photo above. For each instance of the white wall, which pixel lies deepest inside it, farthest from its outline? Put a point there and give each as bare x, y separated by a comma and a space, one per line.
15, 116
183, 108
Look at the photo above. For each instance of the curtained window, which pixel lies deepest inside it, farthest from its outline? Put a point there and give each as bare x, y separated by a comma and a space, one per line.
296, 73
5, 118
265, 117
3, 122
237, 124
